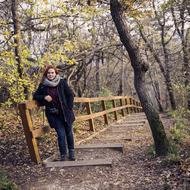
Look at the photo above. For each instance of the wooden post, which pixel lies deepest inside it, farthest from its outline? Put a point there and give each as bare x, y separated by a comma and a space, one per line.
105, 115
134, 106
122, 111
28, 128
130, 102
89, 111
141, 110
127, 102
115, 112
137, 104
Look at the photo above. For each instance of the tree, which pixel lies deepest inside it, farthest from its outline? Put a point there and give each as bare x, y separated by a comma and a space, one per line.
180, 19
159, 22
140, 67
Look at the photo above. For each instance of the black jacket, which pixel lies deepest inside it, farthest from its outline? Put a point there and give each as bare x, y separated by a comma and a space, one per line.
66, 100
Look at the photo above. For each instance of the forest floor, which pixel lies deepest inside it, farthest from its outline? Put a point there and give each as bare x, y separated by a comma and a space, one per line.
136, 168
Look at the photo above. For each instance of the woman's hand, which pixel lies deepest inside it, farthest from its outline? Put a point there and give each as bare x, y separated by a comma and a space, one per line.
48, 98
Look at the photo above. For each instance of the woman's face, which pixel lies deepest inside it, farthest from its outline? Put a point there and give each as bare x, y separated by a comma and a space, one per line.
51, 74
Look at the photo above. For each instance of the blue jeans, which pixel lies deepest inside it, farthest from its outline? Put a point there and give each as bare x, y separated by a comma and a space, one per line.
64, 132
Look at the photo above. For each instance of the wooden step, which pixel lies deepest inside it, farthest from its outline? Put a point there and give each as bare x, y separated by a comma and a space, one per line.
119, 130
100, 146
135, 118
135, 121
118, 138
77, 163
131, 122
125, 125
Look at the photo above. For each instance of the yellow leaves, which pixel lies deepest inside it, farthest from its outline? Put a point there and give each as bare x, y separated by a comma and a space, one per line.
69, 45
6, 33
71, 61
29, 12
45, 1
25, 53
136, 8
57, 56
89, 12
29, 1
6, 54
3, 22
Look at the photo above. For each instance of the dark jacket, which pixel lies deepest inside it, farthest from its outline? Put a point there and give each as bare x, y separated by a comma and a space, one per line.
66, 99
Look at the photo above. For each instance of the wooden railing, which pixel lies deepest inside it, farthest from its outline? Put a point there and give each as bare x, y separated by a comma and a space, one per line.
125, 103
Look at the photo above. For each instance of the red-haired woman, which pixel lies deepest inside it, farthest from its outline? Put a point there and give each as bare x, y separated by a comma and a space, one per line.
55, 94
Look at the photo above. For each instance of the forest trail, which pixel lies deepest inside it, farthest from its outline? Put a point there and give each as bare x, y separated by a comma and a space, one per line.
133, 169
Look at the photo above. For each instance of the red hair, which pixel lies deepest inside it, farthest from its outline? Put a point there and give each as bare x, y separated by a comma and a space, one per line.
47, 69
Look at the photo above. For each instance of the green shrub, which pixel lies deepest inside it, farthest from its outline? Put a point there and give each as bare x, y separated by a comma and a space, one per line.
5, 183
105, 92
151, 150
180, 128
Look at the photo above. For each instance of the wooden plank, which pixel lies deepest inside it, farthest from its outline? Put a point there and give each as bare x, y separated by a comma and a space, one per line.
119, 131
126, 125
115, 112
98, 114
108, 98
32, 104
138, 114
100, 146
105, 115
91, 121
126, 103
77, 163
115, 139
122, 129
28, 128
130, 103
140, 117
122, 110
135, 121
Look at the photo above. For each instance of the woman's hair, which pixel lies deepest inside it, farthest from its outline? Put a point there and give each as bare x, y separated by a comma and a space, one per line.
47, 69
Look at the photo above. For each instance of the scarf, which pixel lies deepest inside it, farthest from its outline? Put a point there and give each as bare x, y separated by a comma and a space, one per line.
52, 83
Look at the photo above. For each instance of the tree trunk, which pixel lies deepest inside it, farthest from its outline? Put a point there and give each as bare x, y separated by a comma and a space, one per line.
121, 80
156, 87
97, 74
139, 66
16, 26
17, 34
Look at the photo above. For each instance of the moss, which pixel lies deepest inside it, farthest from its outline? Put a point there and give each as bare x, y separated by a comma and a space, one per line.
151, 150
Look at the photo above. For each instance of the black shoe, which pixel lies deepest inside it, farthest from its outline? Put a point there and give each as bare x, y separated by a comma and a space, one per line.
63, 157
72, 155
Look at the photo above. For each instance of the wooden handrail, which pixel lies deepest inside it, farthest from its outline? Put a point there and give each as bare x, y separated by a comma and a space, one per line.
127, 103
32, 104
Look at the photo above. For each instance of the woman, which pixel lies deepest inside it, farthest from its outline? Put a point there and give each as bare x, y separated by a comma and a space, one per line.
55, 94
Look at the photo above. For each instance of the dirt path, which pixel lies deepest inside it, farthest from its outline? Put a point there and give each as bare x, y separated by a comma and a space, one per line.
133, 169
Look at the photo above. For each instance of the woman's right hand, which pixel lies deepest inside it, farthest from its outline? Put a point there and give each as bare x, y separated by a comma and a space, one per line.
48, 98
